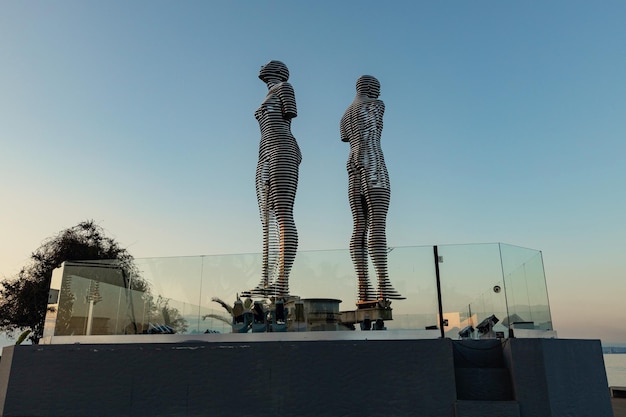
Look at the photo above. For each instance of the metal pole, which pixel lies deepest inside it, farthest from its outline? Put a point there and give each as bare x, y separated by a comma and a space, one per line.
506, 300
89, 318
436, 253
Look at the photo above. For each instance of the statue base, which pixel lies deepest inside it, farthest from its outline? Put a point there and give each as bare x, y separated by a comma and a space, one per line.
369, 310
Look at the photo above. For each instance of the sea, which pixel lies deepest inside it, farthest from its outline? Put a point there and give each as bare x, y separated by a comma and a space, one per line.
615, 364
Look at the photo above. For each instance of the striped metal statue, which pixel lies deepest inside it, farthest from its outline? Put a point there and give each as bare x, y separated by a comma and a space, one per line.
368, 189
277, 180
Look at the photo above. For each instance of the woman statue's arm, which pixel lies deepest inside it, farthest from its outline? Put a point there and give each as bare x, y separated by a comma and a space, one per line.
287, 100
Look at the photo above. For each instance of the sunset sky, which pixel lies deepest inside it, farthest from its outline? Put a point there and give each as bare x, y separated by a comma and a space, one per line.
505, 122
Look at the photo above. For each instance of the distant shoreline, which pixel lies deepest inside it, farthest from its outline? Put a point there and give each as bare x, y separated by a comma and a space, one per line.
613, 350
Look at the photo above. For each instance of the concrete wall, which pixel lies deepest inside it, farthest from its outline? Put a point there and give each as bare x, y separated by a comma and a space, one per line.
297, 378
337, 378
558, 378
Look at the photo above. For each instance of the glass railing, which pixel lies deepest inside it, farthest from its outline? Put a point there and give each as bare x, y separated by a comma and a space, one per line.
468, 276
196, 294
493, 289
526, 289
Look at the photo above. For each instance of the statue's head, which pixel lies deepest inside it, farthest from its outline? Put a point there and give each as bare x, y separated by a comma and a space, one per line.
368, 85
274, 69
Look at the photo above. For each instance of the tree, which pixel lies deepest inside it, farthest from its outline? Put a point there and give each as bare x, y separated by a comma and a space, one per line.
162, 313
24, 298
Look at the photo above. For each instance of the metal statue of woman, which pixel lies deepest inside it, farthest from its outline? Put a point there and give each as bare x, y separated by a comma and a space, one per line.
369, 190
277, 180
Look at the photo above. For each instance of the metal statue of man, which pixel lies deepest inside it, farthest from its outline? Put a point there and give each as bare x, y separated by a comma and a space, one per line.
368, 189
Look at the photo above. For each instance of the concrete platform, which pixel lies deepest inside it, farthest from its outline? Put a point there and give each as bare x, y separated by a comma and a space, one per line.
548, 378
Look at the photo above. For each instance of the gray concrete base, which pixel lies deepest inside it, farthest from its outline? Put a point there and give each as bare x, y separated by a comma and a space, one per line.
558, 377
337, 378
297, 378
487, 409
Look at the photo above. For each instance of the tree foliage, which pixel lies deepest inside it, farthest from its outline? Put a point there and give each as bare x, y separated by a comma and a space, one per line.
170, 315
24, 298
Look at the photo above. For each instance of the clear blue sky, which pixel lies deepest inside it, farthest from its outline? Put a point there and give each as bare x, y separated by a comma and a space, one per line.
505, 122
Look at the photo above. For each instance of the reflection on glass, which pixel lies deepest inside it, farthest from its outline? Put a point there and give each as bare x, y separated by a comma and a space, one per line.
526, 288
201, 294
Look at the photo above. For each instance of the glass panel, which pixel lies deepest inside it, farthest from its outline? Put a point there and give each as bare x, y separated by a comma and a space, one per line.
471, 286
223, 278
194, 295
91, 307
412, 273
526, 290
330, 274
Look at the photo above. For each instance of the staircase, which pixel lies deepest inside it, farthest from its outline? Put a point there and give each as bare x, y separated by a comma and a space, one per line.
483, 383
